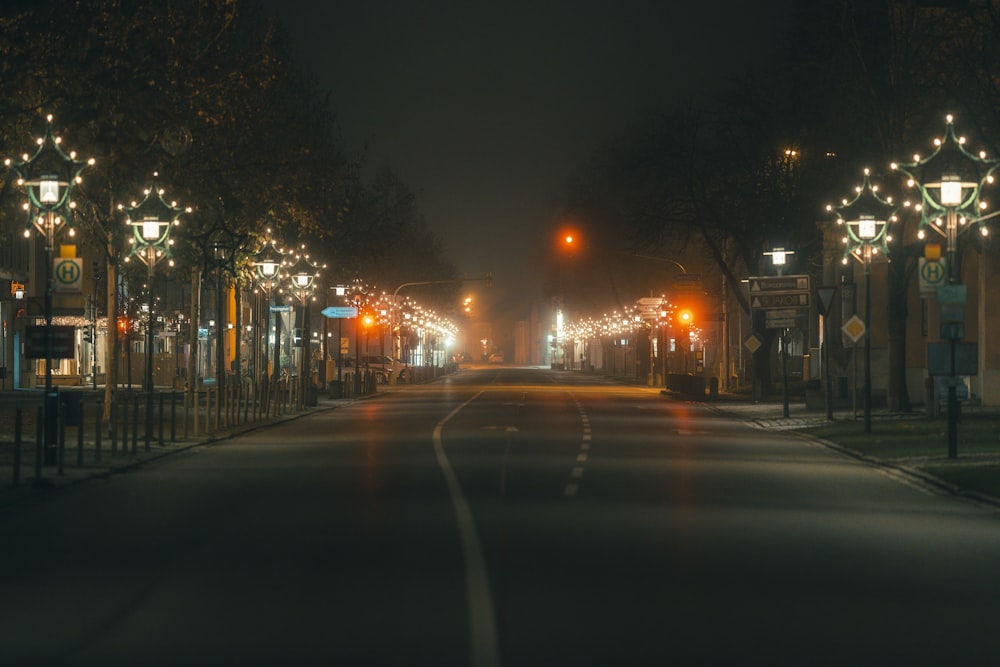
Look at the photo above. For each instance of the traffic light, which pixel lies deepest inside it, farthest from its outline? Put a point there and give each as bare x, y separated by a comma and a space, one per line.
568, 241
87, 337
685, 317
367, 319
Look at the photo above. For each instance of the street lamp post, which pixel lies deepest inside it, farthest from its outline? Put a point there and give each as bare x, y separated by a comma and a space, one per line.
866, 217
219, 246
49, 176
268, 265
779, 257
301, 277
151, 221
950, 181
358, 293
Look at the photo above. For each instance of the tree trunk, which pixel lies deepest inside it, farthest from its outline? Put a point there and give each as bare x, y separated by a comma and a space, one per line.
192, 370
111, 339
896, 392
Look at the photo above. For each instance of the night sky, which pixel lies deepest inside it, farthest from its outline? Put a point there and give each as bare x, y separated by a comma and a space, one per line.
487, 110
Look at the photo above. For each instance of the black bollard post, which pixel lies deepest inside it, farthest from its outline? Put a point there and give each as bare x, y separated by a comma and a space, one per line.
135, 423
17, 446
113, 426
39, 444
99, 417
79, 435
173, 416
61, 444
161, 419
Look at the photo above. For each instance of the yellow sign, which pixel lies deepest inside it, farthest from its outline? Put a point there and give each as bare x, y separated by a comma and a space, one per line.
854, 328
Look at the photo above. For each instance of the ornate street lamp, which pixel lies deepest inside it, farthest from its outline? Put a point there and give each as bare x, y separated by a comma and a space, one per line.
48, 177
219, 245
300, 277
866, 218
268, 266
151, 221
358, 295
950, 181
779, 258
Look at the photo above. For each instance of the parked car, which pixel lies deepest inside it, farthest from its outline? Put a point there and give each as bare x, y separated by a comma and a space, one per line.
385, 367
496, 358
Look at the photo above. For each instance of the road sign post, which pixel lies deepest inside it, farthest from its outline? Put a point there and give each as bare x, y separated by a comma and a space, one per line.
824, 303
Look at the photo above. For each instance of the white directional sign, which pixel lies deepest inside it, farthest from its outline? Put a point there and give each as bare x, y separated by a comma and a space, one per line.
778, 300
779, 292
649, 307
759, 284
339, 312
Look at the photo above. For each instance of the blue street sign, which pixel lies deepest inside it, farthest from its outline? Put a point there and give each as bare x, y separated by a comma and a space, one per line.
339, 311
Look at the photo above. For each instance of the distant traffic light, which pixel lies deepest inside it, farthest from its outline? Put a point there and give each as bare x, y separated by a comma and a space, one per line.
685, 316
568, 240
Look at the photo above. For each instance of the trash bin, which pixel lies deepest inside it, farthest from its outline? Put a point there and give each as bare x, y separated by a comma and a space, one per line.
336, 388
310, 397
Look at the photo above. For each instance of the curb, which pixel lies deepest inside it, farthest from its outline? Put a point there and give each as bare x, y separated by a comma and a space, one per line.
912, 475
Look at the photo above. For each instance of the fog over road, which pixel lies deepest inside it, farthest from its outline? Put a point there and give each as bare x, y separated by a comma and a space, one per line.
502, 516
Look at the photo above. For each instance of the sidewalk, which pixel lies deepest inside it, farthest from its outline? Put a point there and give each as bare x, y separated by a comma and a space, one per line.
769, 413
123, 460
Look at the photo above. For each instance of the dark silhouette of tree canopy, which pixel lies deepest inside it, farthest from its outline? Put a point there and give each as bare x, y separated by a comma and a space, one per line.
858, 84
205, 92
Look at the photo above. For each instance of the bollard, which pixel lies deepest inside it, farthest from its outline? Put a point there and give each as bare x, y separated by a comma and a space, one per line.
135, 423
173, 416
113, 426
124, 419
17, 446
61, 443
39, 444
161, 419
79, 437
99, 418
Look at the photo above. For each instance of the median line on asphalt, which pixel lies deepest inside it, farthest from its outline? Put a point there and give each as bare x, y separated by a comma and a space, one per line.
576, 473
484, 647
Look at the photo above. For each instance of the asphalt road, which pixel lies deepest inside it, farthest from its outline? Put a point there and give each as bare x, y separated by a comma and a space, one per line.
500, 517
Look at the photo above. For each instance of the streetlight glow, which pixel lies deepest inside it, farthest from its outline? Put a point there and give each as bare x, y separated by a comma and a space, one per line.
48, 178
153, 219
867, 219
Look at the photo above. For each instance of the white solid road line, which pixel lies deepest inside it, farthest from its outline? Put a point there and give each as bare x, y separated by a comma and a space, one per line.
484, 646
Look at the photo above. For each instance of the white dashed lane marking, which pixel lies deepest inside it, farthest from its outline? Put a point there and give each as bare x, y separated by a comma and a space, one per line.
576, 472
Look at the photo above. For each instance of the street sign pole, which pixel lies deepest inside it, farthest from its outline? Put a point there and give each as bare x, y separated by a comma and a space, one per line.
784, 372
824, 303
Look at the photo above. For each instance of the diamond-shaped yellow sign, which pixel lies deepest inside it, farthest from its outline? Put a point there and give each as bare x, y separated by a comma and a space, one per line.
854, 328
